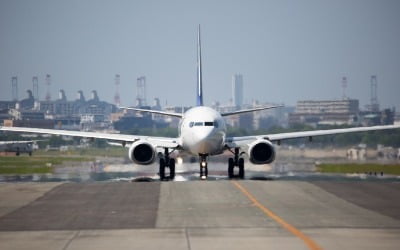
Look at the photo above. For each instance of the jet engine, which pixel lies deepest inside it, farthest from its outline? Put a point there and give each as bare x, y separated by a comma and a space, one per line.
142, 152
261, 152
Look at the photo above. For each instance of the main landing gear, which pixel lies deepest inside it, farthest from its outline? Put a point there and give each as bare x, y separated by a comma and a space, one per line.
236, 162
203, 167
166, 162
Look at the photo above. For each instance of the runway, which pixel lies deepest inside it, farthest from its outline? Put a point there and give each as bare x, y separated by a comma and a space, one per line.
201, 215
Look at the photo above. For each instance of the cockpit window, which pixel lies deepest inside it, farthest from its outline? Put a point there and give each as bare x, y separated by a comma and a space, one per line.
207, 124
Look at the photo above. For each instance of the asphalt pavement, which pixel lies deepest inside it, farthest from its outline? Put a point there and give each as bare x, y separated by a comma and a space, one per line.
225, 214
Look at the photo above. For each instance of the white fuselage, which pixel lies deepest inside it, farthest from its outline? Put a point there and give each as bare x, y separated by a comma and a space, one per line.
202, 131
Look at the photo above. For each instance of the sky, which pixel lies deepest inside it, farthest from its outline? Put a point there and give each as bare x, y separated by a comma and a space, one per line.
286, 50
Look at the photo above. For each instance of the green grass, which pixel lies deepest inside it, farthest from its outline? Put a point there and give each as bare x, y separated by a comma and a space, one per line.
110, 152
86, 152
35, 164
26, 170
44, 161
359, 168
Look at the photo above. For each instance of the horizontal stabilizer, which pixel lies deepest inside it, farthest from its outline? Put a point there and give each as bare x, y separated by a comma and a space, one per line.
154, 112
249, 110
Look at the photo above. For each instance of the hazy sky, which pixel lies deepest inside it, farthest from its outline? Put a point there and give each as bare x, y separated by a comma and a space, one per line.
285, 50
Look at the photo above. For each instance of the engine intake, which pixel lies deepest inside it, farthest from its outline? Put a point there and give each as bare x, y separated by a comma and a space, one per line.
261, 152
142, 153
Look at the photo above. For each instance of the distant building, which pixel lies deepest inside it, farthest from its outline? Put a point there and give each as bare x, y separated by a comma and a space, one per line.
357, 153
173, 122
397, 118
4, 105
270, 117
129, 122
326, 112
18, 114
29, 123
373, 118
387, 152
4, 115
61, 113
27, 103
246, 121
256, 120
237, 90
90, 122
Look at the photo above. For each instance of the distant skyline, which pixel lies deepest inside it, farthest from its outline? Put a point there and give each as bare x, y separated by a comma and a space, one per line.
286, 50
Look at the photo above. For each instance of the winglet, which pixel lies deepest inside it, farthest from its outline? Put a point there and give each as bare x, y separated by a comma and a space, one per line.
199, 72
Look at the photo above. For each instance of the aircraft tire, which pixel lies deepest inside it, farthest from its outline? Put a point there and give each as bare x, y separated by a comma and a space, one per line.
172, 169
241, 168
162, 169
230, 168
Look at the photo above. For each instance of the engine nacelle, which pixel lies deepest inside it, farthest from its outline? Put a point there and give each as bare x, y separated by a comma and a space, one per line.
142, 152
261, 152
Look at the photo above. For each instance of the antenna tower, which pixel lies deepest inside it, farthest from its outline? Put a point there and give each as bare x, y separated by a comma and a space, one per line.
14, 87
344, 86
35, 87
48, 83
117, 99
141, 90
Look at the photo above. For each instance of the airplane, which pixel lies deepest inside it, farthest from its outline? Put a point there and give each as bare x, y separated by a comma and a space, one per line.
17, 146
202, 132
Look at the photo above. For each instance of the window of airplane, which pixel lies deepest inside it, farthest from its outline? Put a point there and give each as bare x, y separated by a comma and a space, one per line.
198, 124
191, 124
209, 124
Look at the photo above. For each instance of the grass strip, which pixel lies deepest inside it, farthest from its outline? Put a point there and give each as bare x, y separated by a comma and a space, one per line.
393, 169
34, 164
86, 152
26, 170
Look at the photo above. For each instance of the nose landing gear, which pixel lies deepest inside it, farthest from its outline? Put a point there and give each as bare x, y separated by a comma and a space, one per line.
203, 167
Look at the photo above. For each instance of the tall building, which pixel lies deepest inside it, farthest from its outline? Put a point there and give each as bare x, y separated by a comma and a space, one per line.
237, 90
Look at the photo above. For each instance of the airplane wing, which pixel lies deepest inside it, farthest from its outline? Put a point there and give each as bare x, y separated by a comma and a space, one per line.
123, 138
242, 140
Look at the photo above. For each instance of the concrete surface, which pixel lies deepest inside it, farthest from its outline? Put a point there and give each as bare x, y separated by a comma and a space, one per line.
199, 215
17, 195
79, 206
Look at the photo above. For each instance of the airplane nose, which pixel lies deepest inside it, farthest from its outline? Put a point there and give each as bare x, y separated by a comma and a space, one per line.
203, 134
204, 140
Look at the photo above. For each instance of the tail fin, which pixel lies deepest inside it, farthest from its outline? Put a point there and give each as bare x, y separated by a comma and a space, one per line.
199, 72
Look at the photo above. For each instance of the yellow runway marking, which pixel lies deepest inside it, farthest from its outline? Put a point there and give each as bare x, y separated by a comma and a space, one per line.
309, 242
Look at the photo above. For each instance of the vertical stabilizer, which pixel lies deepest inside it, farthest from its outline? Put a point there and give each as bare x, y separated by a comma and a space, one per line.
199, 72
